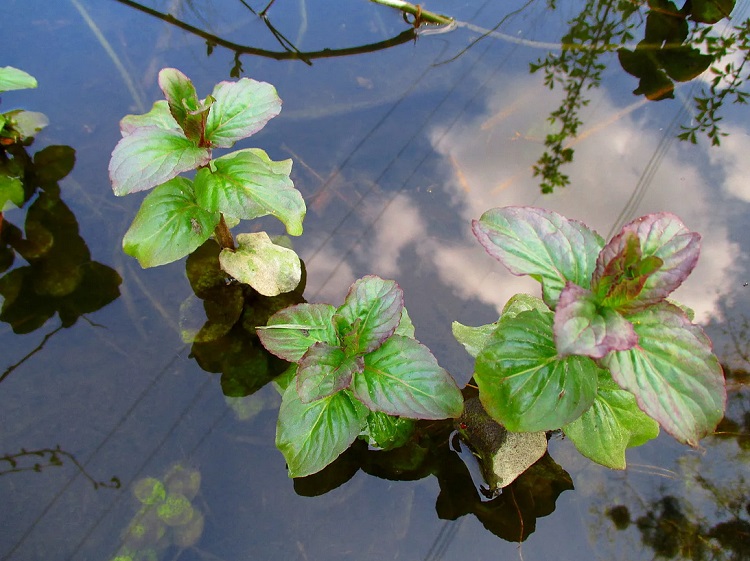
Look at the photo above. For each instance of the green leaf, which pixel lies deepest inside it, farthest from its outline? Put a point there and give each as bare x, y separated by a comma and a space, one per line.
15, 79
291, 331
673, 373
247, 184
611, 425
312, 435
370, 313
26, 123
184, 104
176, 510
159, 117
149, 491
473, 338
524, 385
522, 303
268, 268
712, 11
240, 110
11, 192
169, 225
150, 156
583, 327
540, 243
402, 378
405, 326
324, 370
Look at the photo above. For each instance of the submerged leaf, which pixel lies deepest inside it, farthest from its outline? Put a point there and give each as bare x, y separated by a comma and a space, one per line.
387, 432
240, 110
583, 327
292, 331
312, 435
524, 384
611, 425
676, 378
402, 378
268, 268
150, 156
169, 225
540, 243
370, 313
247, 184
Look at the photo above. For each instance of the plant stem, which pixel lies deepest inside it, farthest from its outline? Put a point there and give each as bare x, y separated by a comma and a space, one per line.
419, 14
223, 235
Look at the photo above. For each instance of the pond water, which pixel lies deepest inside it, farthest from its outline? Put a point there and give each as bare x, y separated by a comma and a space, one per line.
397, 146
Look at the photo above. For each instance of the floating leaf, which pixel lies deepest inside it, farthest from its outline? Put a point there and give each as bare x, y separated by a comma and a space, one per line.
247, 184
540, 243
402, 378
663, 236
676, 378
268, 268
26, 123
240, 110
150, 156
523, 383
387, 432
611, 425
15, 79
169, 225
370, 313
324, 370
291, 331
312, 435
583, 327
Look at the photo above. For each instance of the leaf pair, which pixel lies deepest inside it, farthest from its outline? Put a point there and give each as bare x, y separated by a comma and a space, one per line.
352, 360
539, 370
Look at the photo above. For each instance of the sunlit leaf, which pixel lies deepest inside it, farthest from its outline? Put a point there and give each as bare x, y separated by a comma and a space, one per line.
290, 332
183, 101
664, 236
150, 156
522, 303
405, 326
370, 313
583, 327
27, 123
473, 339
524, 384
324, 370
15, 79
11, 192
169, 225
387, 432
159, 117
248, 184
312, 435
540, 243
611, 425
403, 378
240, 109
673, 373
268, 268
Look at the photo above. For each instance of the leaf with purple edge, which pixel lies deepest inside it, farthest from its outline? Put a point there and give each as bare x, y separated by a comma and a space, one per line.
662, 236
150, 156
290, 332
184, 104
540, 243
325, 370
583, 327
402, 378
370, 313
524, 384
240, 109
673, 373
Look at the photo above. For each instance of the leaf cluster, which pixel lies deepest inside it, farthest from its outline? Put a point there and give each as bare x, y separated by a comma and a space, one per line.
178, 135
18, 126
603, 355
357, 370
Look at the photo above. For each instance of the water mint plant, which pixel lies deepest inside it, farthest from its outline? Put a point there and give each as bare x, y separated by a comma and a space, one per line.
179, 135
357, 371
604, 355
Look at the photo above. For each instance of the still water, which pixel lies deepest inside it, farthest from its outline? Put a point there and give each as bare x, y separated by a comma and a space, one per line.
398, 141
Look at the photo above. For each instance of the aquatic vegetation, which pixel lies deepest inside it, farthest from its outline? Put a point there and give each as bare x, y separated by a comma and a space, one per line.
17, 125
355, 367
603, 355
178, 135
